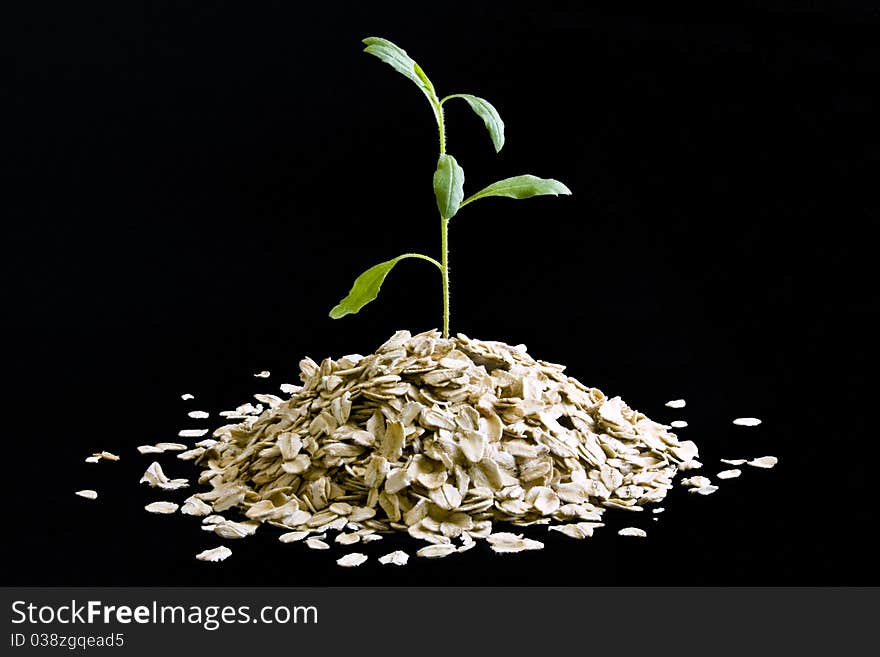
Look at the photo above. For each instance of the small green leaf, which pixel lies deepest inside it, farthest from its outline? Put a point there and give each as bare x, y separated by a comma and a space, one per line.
396, 57
448, 186
521, 187
484, 109
366, 286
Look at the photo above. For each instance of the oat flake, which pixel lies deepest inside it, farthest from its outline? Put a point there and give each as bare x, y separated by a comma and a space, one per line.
764, 462
161, 507
633, 531
216, 554
352, 560
397, 558
729, 474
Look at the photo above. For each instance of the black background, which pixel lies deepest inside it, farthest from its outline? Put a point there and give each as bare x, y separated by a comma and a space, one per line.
189, 189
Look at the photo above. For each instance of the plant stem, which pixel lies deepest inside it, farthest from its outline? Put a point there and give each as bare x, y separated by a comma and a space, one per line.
444, 234
444, 271
442, 127
423, 257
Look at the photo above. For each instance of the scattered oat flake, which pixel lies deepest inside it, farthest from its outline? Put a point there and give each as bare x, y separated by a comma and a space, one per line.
191, 454
292, 537
729, 474
352, 560
693, 464
437, 551
572, 531
696, 482
396, 558
505, 542
747, 421
632, 531
369, 538
193, 506
685, 450
265, 374
676, 403
88, 494
234, 530
199, 415
149, 449
192, 433
215, 554
678, 424
704, 490
153, 474
317, 544
99, 456
171, 447
186, 396
289, 388
161, 507
155, 477
764, 462
659, 509
734, 461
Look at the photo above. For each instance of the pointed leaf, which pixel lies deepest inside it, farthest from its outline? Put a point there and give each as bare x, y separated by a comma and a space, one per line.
484, 109
396, 57
365, 289
448, 186
521, 187
366, 286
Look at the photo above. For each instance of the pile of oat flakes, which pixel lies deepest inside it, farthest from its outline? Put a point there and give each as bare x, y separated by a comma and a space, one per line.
444, 439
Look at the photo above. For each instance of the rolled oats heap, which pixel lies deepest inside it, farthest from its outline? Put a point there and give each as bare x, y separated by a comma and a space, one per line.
439, 438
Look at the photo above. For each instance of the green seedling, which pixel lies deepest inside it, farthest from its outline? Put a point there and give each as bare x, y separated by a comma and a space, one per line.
448, 182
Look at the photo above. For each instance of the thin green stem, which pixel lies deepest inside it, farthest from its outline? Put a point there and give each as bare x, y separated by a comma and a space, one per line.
423, 257
444, 270
442, 127
444, 234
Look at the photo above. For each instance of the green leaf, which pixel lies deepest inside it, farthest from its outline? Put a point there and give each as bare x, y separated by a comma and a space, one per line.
521, 187
366, 286
484, 109
448, 186
396, 57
